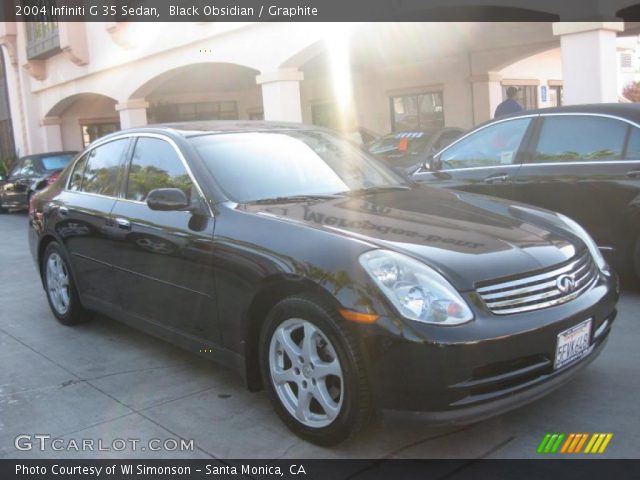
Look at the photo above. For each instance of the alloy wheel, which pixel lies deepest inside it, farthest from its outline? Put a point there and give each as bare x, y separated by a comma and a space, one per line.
58, 283
306, 372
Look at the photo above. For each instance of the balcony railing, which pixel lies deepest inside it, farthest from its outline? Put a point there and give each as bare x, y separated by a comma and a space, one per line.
42, 39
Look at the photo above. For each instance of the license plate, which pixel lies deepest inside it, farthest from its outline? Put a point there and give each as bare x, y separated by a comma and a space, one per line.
573, 344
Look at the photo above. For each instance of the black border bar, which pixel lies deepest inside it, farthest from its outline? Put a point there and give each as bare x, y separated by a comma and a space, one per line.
564, 469
317, 10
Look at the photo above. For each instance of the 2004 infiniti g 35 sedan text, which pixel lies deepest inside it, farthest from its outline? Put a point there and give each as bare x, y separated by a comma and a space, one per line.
290, 255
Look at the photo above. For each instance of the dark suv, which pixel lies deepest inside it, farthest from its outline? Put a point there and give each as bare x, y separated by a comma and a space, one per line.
582, 161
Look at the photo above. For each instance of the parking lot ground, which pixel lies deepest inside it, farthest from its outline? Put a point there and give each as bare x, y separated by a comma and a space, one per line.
106, 381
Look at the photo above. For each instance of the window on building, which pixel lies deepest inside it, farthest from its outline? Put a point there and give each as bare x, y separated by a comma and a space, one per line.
570, 138
528, 95
185, 112
555, 95
43, 39
155, 164
417, 111
102, 172
626, 60
93, 131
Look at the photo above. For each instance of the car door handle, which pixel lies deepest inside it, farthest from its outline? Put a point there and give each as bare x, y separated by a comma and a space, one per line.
633, 173
123, 223
497, 178
63, 211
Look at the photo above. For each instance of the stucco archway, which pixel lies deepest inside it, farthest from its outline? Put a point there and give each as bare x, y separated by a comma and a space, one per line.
82, 118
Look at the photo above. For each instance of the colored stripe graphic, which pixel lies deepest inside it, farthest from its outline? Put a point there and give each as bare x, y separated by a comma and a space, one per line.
543, 443
573, 443
583, 439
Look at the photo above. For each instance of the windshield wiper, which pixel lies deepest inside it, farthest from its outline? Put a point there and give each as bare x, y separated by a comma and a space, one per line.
294, 198
378, 189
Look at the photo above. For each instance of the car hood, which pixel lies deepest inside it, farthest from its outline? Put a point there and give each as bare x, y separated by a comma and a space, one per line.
468, 238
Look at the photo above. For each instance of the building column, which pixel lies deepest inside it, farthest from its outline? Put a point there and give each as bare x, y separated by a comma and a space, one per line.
487, 95
281, 94
52, 134
589, 61
132, 113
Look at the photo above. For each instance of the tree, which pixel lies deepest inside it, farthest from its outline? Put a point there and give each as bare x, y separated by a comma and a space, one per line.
632, 92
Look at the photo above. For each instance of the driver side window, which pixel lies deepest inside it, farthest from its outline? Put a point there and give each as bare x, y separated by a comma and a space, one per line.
494, 145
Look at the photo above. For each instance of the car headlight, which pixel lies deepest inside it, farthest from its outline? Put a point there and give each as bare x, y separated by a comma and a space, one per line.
591, 245
416, 290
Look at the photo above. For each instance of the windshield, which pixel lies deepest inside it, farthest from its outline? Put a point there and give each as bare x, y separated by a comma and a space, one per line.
252, 166
56, 162
400, 143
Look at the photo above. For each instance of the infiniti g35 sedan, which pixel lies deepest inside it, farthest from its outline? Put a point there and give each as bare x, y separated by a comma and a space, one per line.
290, 255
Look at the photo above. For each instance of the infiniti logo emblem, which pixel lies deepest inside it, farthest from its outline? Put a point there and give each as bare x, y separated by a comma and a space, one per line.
565, 283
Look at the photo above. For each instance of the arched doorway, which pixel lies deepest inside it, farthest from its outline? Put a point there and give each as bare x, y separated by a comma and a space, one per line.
83, 118
207, 91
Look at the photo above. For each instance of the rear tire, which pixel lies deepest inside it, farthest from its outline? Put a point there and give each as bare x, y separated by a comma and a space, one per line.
323, 393
60, 288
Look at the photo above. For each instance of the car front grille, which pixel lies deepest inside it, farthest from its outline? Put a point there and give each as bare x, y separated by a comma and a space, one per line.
541, 290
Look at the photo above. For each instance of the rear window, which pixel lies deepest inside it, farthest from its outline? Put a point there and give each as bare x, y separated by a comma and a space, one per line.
400, 143
572, 138
56, 162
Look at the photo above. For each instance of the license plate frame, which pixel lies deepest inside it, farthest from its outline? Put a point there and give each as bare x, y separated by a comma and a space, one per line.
572, 344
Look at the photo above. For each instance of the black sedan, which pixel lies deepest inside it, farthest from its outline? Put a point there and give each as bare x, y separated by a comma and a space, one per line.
28, 175
288, 254
407, 150
582, 161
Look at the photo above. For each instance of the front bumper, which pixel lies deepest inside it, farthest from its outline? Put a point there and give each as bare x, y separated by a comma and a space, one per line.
493, 364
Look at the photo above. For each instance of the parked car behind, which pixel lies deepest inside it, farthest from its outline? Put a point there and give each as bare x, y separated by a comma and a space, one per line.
582, 161
28, 175
292, 256
407, 150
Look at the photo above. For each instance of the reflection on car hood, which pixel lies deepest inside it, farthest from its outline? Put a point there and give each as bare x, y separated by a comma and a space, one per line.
469, 238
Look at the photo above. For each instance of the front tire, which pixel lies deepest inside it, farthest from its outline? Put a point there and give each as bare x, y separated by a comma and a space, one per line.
314, 370
60, 288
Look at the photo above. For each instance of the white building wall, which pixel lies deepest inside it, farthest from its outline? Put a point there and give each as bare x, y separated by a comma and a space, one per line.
542, 67
125, 61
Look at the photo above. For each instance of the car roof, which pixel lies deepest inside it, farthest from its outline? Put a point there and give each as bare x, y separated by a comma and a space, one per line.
428, 131
629, 111
189, 129
50, 154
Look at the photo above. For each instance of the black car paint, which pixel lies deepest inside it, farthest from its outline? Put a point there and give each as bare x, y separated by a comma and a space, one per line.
230, 263
15, 190
603, 196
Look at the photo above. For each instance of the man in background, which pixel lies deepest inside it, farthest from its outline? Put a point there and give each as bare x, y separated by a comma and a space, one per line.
510, 105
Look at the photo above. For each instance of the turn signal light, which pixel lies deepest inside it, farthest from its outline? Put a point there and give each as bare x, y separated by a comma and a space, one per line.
358, 317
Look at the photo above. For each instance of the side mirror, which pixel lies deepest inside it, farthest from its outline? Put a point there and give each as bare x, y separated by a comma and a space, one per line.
165, 199
430, 163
